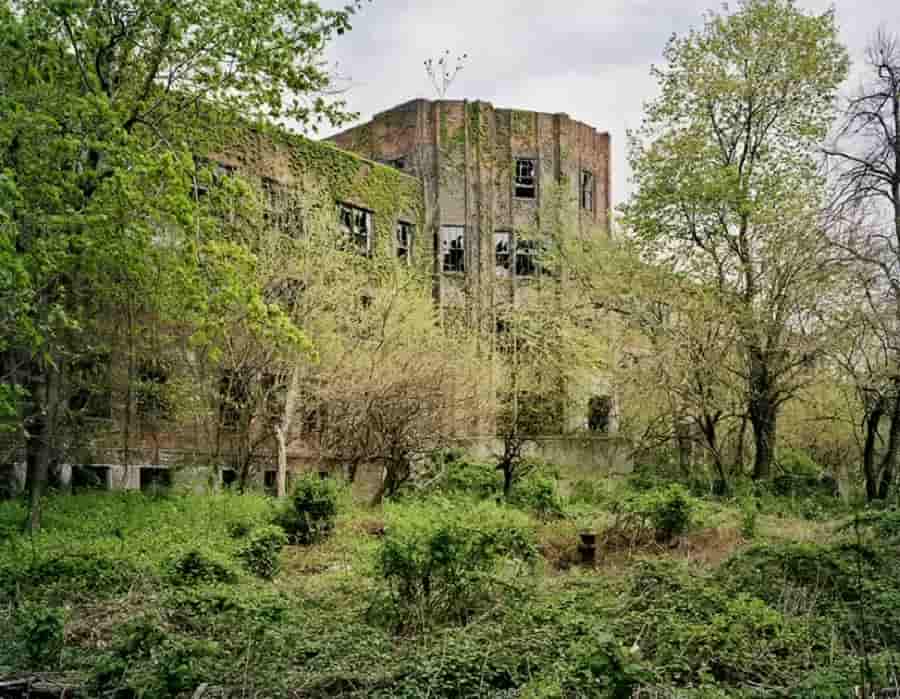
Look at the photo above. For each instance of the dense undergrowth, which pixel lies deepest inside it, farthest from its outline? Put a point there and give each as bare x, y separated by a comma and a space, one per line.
451, 592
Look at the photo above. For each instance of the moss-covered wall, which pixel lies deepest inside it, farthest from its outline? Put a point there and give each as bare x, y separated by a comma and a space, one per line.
297, 162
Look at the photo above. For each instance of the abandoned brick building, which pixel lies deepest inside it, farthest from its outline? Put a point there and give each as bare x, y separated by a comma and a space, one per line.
484, 173
448, 186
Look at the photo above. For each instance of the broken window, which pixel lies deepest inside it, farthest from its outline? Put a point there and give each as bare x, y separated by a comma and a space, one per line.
234, 395
527, 252
151, 398
229, 477
356, 223
502, 256
92, 390
404, 241
209, 173
526, 178
155, 480
600, 410
396, 163
587, 190
282, 209
453, 248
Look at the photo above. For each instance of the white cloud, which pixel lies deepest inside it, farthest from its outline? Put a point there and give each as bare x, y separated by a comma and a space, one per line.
586, 58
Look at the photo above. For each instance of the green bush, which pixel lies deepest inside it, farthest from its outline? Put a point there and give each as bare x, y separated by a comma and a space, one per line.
589, 492
40, 629
697, 631
311, 511
262, 551
749, 516
150, 662
663, 514
92, 571
538, 493
196, 567
439, 558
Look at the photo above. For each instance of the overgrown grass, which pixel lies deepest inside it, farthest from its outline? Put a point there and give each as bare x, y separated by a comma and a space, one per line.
450, 594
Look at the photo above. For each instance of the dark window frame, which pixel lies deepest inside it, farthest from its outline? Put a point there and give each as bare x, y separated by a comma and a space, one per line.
151, 401
358, 225
503, 260
600, 414
453, 259
526, 264
525, 178
404, 235
588, 190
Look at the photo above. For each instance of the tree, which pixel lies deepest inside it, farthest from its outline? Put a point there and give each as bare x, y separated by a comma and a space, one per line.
671, 356
866, 155
552, 341
728, 191
103, 106
393, 385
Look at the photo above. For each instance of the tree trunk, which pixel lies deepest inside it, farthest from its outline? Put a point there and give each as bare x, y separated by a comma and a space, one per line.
283, 429
869, 470
889, 462
739, 452
709, 433
764, 418
763, 412
507, 479
684, 444
281, 480
40, 442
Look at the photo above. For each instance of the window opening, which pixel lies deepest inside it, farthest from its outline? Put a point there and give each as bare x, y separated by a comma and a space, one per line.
502, 256
453, 248
526, 178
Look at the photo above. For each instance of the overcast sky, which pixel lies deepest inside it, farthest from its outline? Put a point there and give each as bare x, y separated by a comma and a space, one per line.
588, 58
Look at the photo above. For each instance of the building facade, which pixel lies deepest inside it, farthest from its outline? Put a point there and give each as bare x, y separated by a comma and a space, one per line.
487, 174
456, 188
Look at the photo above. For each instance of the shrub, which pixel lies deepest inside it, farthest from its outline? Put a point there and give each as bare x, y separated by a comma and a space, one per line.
149, 662
695, 630
261, 553
311, 511
41, 630
91, 571
438, 558
749, 514
238, 529
589, 492
661, 514
465, 477
538, 493
196, 567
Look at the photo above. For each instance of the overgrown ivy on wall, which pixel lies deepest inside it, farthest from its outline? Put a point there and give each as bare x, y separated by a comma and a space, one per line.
292, 159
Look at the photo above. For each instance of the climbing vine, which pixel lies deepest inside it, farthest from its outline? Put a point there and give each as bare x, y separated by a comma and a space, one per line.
391, 195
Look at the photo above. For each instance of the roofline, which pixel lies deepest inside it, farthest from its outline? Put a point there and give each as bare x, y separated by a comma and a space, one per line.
425, 100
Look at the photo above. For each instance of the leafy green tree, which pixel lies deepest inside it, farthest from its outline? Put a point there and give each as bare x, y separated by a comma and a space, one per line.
103, 106
728, 191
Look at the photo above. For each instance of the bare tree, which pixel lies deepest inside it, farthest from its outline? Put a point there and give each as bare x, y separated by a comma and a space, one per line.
443, 71
866, 155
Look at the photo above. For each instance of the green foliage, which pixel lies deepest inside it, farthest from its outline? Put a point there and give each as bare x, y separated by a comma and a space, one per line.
698, 632
440, 559
464, 477
197, 567
538, 493
311, 512
749, 516
41, 630
262, 550
149, 661
665, 513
